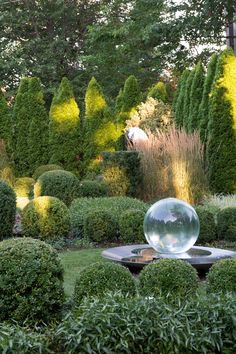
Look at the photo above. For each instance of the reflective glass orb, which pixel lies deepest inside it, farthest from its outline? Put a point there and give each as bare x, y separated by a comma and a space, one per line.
171, 226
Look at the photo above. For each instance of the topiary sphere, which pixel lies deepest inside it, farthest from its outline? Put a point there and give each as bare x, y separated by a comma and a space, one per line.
60, 184
46, 218
100, 226
45, 168
222, 276
168, 276
226, 224
100, 278
93, 189
31, 281
24, 187
131, 226
207, 225
7, 209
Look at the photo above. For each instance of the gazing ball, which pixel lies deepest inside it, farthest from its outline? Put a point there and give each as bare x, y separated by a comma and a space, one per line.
171, 226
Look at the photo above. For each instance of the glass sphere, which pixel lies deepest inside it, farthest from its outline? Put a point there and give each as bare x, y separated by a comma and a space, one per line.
171, 226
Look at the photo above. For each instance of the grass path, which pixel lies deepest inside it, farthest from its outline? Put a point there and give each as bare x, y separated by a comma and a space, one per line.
74, 261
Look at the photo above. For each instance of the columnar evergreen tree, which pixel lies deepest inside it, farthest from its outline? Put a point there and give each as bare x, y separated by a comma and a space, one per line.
100, 131
186, 106
204, 106
18, 105
221, 146
130, 98
64, 135
196, 98
119, 102
179, 105
159, 92
5, 119
22, 114
38, 129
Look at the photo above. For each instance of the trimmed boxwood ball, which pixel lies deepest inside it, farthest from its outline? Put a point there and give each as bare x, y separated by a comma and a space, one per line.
131, 226
93, 189
7, 209
100, 226
100, 278
168, 276
31, 281
46, 218
226, 224
45, 168
208, 232
222, 276
60, 184
24, 187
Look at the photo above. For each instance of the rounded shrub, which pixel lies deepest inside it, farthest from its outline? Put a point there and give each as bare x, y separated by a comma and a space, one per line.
222, 276
93, 189
226, 224
168, 276
7, 209
131, 226
60, 184
80, 207
47, 218
100, 226
24, 187
117, 180
208, 231
45, 168
31, 281
100, 278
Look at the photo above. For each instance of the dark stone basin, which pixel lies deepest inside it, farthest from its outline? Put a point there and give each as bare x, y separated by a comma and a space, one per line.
135, 257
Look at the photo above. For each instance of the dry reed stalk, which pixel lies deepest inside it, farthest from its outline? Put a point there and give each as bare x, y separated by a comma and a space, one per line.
172, 165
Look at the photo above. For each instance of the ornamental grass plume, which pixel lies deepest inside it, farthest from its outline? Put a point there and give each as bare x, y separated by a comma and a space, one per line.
172, 166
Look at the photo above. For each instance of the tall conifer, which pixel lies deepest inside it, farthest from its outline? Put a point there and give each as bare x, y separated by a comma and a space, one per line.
187, 100
64, 137
196, 98
5, 119
100, 130
204, 106
179, 106
38, 129
221, 146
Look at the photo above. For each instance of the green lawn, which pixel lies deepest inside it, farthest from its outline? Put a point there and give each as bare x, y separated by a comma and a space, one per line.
74, 261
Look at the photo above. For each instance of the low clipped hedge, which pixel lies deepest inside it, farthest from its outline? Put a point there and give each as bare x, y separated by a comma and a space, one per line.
226, 224
31, 281
45, 168
100, 278
92, 189
172, 277
208, 229
24, 187
7, 210
115, 205
131, 226
46, 218
60, 184
139, 325
222, 276
100, 226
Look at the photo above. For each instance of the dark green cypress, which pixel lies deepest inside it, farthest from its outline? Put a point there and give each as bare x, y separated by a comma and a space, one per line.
131, 94
196, 98
221, 146
38, 129
186, 105
64, 136
204, 106
5, 120
179, 106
